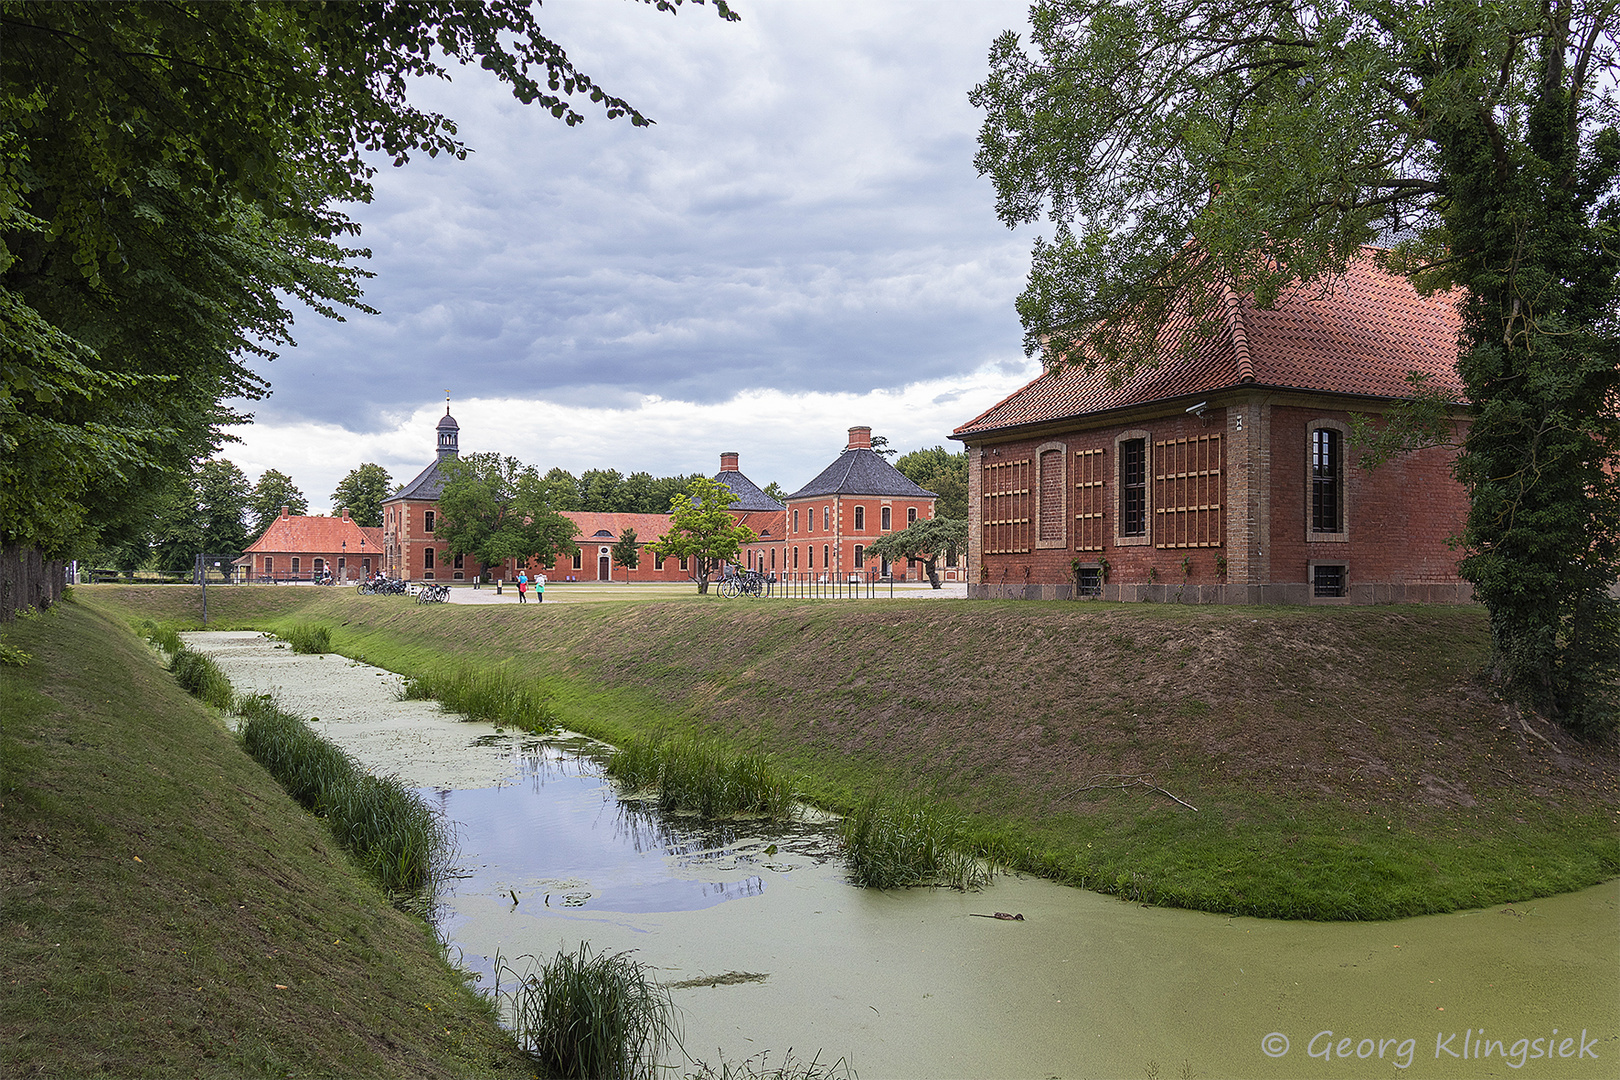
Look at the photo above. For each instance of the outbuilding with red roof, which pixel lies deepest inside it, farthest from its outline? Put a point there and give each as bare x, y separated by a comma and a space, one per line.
1227, 473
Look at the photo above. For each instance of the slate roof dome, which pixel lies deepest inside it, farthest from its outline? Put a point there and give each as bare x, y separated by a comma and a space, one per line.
860, 470
428, 483
746, 495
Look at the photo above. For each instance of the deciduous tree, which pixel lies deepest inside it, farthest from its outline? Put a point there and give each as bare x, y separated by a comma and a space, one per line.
703, 530
172, 176
274, 490
363, 492
1185, 149
495, 508
925, 540
625, 551
942, 472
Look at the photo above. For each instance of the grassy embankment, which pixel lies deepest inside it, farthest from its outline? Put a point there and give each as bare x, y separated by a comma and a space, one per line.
166, 910
1342, 761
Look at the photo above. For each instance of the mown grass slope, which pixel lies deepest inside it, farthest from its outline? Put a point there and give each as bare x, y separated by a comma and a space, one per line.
166, 910
1344, 762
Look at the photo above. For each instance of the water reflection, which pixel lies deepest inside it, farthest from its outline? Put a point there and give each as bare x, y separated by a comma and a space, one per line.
558, 837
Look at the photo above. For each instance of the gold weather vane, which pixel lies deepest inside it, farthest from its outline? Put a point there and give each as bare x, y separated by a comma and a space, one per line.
447, 402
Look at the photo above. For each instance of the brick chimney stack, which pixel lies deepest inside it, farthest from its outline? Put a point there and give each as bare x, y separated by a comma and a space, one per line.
860, 438
283, 511
728, 462
345, 513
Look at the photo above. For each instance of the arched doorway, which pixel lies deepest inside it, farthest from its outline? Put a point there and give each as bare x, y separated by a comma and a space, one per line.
604, 565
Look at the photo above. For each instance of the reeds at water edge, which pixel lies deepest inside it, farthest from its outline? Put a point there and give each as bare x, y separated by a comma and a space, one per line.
898, 842
496, 694
703, 777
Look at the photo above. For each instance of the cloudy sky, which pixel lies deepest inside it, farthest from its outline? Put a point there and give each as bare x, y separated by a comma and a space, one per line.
800, 244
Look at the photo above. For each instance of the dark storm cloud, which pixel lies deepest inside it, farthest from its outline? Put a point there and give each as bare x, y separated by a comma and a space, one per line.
803, 217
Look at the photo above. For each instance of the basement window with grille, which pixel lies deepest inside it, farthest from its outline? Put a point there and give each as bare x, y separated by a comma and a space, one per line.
1328, 580
1090, 582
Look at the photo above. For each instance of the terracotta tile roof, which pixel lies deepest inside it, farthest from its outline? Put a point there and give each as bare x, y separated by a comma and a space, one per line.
1360, 335
769, 525
588, 523
319, 535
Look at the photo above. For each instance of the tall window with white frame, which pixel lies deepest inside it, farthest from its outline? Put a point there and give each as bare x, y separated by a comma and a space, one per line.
1133, 487
1327, 480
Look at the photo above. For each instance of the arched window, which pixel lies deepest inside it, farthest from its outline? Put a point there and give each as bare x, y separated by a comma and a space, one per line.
826, 518
860, 519
427, 523
888, 519
911, 516
860, 556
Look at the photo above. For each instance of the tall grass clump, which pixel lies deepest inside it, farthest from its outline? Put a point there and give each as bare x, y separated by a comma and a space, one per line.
496, 694
593, 1017
701, 776
391, 833
894, 843
161, 637
199, 676
309, 637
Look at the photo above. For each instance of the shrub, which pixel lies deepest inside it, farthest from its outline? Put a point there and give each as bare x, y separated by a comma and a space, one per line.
703, 777
594, 1017
897, 843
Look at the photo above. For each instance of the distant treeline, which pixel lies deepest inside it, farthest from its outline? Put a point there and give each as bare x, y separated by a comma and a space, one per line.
610, 491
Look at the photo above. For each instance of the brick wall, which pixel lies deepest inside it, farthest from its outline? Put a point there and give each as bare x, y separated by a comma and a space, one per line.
1253, 517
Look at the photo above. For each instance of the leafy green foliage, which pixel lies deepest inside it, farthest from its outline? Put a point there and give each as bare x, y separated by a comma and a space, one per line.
172, 178
363, 492
274, 490
609, 491
625, 551
496, 508
200, 677
703, 530
203, 516
1192, 151
925, 539
942, 472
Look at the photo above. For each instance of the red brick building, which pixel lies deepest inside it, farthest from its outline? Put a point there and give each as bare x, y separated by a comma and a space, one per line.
412, 550
859, 497
757, 510
1229, 476
410, 517
298, 548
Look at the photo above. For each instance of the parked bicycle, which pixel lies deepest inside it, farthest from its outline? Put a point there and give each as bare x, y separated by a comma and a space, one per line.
742, 583
433, 594
381, 587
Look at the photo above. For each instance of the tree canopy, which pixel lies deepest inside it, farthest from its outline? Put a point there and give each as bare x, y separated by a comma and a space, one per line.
172, 176
363, 491
703, 530
274, 490
925, 540
495, 508
1186, 150
206, 515
942, 472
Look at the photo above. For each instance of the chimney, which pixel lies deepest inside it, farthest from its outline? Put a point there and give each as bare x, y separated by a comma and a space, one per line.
860, 438
283, 511
728, 462
345, 513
